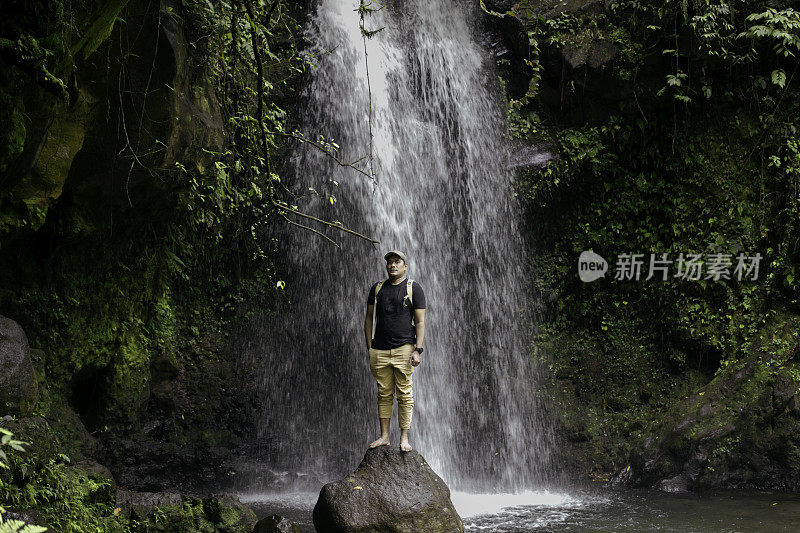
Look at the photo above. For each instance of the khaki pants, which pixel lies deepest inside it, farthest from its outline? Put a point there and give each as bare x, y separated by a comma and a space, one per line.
392, 370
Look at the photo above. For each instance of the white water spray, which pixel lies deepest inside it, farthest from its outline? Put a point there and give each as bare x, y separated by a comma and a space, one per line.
444, 196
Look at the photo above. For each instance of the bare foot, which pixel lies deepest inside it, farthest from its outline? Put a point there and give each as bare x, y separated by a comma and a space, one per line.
405, 446
383, 441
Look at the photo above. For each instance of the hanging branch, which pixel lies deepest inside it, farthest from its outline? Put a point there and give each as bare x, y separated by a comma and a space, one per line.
331, 224
309, 228
265, 146
322, 147
365, 34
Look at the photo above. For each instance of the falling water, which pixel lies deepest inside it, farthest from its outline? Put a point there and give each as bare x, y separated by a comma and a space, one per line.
443, 195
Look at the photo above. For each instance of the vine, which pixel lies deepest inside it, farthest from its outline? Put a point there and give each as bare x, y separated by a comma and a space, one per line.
364, 9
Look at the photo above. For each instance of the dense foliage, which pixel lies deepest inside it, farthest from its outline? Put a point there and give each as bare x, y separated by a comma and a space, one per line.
137, 199
680, 138
163, 285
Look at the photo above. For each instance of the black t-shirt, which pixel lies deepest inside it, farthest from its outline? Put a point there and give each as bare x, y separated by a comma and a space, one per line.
393, 314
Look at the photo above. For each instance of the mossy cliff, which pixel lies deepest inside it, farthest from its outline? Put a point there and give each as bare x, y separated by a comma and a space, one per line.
674, 128
130, 151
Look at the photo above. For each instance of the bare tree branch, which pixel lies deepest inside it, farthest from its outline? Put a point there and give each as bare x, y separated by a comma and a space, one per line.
331, 224
327, 152
336, 244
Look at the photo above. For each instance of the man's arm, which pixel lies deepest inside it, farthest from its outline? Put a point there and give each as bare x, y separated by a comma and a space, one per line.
368, 325
419, 321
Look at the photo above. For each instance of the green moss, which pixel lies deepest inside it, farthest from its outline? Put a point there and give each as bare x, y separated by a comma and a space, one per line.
62, 139
12, 135
127, 385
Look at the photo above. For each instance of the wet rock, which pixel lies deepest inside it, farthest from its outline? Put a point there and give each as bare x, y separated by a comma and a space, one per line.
18, 392
507, 39
145, 464
276, 524
92, 468
142, 505
594, 56
29, 516
500, 6
739, 431
228, 513
623, 477
391, 491
580, 80
679, 483
193, 108
99, 473
72, 149
56, 136
222, 513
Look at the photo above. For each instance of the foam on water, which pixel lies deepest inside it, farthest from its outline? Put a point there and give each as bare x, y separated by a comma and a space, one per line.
472, 504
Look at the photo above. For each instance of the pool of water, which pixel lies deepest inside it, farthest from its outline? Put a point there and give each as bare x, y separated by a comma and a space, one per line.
589, 510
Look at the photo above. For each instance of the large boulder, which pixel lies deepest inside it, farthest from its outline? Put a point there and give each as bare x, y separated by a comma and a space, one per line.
18, 392
391, 491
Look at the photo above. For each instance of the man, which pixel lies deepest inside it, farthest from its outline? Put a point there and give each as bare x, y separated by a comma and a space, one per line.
397, 345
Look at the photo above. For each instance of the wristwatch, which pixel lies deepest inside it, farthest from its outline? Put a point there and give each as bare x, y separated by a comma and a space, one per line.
419, 350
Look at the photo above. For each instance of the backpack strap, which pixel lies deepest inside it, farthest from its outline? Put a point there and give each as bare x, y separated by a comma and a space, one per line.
375, 305
409, 287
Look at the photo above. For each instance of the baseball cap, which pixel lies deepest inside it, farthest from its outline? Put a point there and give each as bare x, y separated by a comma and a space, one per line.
398, 253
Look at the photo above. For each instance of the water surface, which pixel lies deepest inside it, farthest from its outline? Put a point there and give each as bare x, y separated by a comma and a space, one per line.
591, 510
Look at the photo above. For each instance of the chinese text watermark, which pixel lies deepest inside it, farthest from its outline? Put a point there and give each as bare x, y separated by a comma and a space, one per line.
691, 267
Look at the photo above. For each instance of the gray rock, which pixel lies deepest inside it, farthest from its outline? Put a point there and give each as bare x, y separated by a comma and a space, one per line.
141, 505
92, 468
675, 484
228, 513
29, 516
391, 491
500, 6
623, 477
596, 55
18, 393
276, 524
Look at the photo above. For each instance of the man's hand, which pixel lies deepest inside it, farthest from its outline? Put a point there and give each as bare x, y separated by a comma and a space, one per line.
415, 359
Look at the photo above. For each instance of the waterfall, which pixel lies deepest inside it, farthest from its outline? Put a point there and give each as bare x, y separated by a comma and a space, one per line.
444, 196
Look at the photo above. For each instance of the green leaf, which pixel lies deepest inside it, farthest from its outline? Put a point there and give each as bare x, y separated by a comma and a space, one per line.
779, 78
